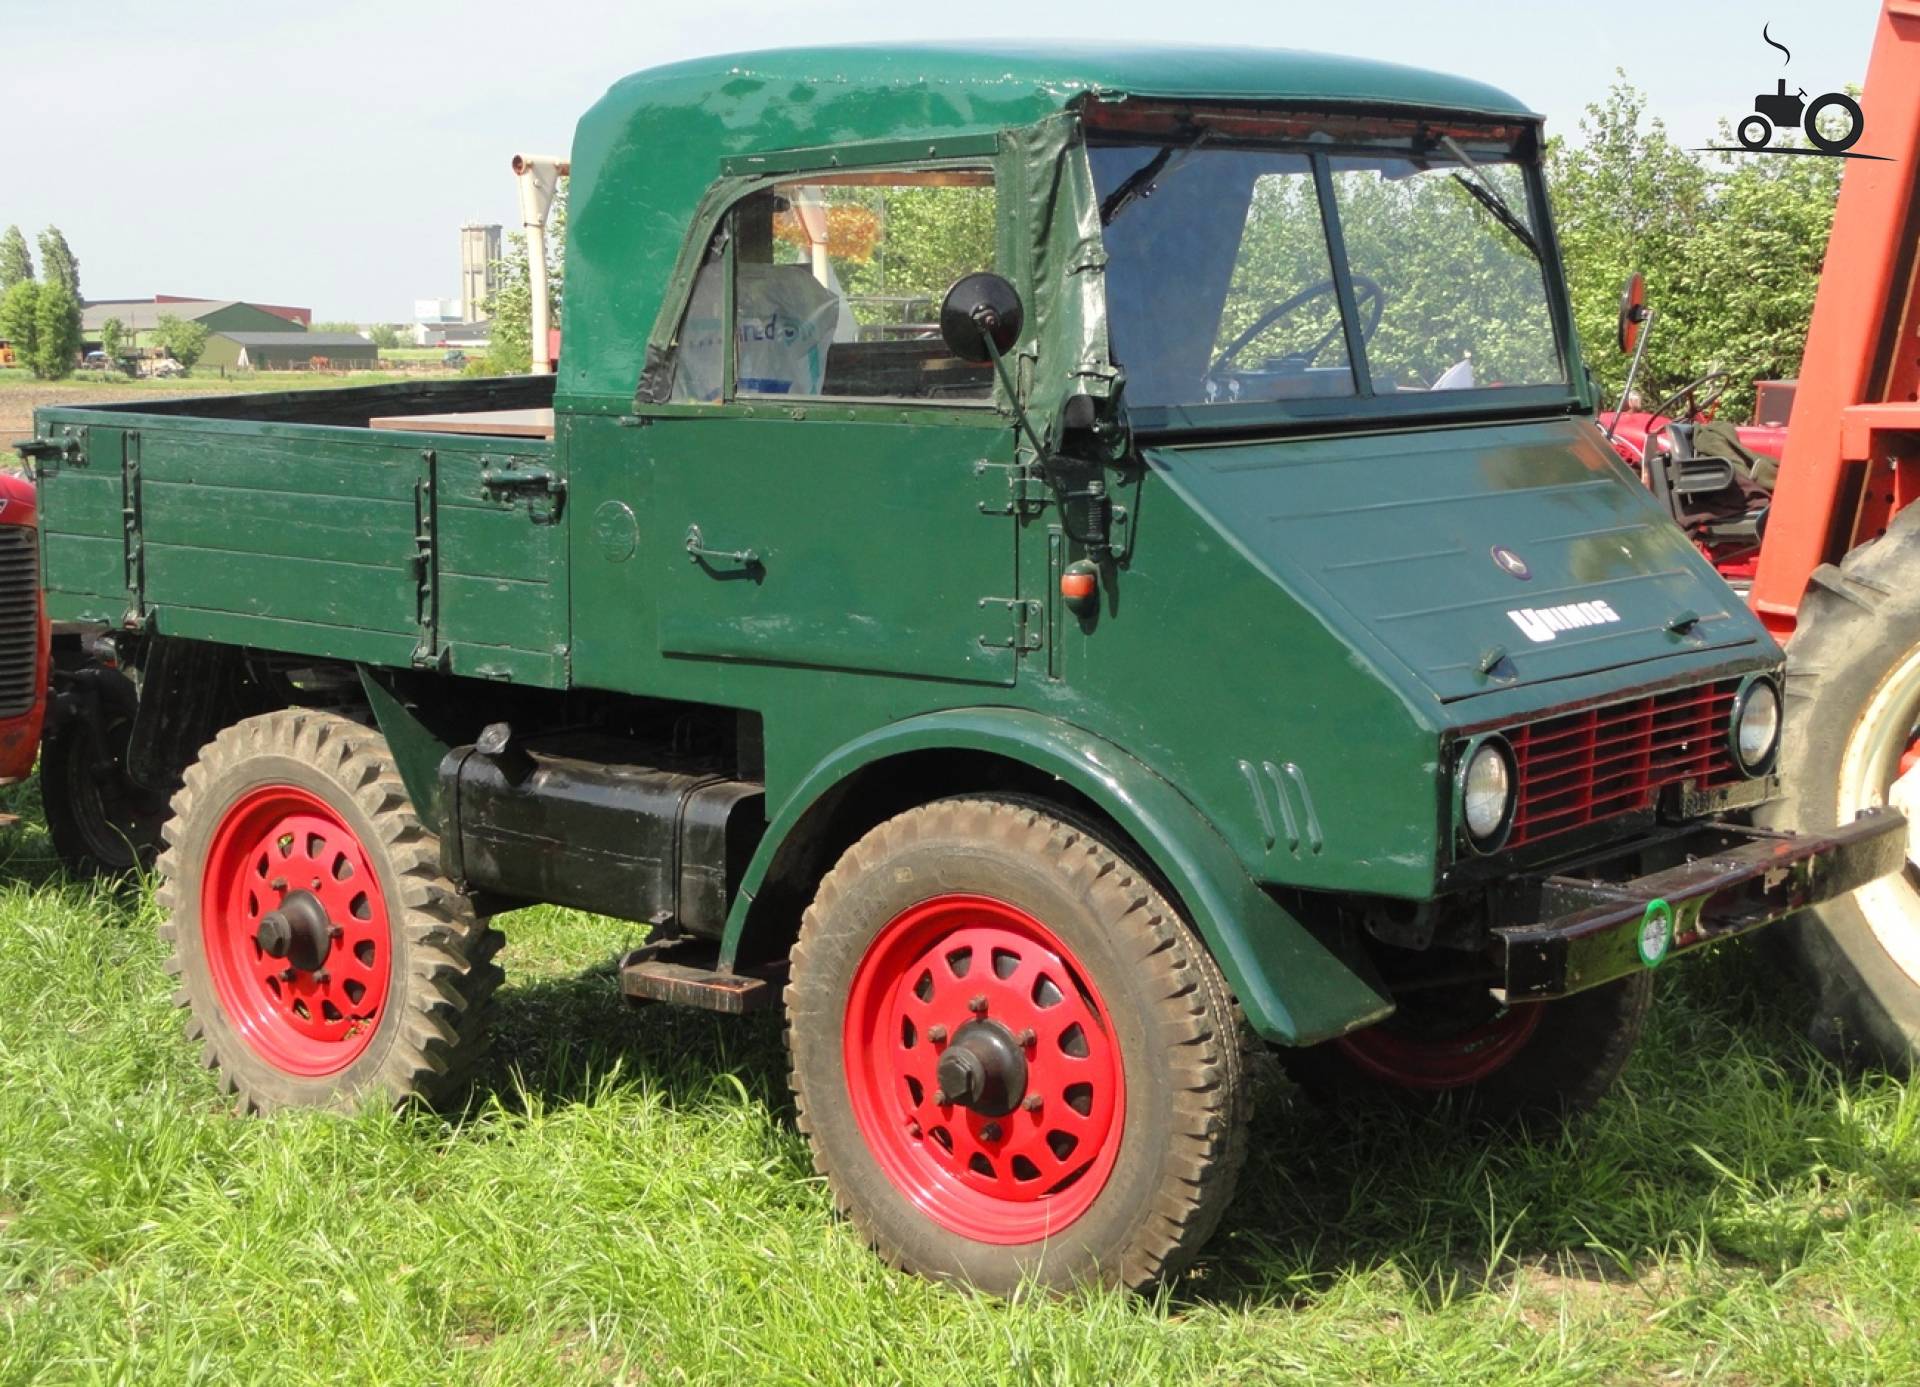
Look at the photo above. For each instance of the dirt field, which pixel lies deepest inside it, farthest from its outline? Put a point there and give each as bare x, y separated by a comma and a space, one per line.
21, 394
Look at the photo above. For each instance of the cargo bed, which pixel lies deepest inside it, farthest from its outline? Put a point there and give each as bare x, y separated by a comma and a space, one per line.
285, 522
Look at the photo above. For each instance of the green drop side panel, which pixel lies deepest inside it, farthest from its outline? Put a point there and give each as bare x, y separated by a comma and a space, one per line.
337, 543
83, 532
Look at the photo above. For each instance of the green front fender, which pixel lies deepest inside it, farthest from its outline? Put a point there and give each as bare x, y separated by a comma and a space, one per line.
1293, 989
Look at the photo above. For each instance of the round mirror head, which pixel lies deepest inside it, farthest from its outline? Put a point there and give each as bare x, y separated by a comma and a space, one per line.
1633, 312
980, 309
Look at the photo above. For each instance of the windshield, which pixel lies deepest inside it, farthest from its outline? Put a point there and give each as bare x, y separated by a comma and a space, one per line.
1313, 272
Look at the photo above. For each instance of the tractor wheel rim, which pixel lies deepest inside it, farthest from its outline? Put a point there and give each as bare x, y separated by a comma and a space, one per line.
313, 1014
1879, 767
1028, 1149
1433, 1062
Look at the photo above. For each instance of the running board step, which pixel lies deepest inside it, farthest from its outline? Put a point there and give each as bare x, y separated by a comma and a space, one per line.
680, 972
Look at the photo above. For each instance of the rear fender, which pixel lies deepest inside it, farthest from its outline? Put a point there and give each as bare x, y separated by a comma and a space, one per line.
1292, 988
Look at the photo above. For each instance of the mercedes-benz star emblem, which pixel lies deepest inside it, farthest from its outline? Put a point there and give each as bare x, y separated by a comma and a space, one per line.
1511, 562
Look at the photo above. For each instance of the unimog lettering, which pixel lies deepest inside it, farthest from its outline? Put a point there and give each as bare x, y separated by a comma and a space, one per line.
996, 502
1543, 623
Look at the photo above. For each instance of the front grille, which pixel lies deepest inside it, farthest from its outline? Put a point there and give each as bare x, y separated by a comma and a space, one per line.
1582, 768
19, 619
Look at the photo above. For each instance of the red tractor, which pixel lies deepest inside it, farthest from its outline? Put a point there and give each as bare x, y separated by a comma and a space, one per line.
65, 701
1827, 550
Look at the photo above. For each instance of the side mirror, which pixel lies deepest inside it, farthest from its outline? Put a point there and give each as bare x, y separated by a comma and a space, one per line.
981, 317
1633, 312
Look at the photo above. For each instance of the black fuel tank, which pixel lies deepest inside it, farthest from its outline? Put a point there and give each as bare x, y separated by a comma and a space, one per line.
578, 822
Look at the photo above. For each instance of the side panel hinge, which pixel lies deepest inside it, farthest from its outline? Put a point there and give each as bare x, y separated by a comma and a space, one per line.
1027, 616
427, 653
1026, 489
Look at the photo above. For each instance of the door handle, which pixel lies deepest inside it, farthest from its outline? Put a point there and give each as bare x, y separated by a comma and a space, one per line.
697, 552
519, 479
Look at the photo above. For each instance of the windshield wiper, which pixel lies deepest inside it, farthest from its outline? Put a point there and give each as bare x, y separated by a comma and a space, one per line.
1142, 180
1489, 197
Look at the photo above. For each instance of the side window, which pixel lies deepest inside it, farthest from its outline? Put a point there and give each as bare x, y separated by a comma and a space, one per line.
838, 282
699, 362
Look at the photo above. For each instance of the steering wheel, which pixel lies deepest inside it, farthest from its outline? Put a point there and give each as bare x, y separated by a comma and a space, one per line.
1713, 383
1367, 294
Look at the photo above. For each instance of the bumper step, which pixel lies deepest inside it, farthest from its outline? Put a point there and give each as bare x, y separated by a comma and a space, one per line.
681, 972
1735, 879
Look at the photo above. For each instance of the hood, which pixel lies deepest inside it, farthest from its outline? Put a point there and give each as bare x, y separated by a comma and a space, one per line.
1482, 558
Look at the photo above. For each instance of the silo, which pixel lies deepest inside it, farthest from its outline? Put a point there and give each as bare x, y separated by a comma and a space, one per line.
479, 252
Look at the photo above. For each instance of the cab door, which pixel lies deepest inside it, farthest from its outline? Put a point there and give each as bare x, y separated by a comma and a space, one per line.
829, 487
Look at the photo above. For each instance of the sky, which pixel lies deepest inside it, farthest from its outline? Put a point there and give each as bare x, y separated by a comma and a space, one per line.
325, 155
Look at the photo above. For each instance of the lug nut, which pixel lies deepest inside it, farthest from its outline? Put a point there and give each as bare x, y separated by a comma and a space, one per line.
288, 975
990, 1132
1031, 1102
978, 1004
336, 933
323, 976
1026, 1037
913, 1130
937, 1034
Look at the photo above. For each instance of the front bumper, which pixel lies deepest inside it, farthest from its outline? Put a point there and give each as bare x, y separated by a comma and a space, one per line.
1725, 879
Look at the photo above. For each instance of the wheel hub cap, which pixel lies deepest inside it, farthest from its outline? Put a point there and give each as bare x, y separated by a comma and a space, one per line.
298, 931
983, 1069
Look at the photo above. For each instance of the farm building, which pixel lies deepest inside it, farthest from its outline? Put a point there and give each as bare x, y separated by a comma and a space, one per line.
139, 317
289, 351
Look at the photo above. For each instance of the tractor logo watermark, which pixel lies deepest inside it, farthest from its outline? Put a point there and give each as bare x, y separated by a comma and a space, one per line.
1832, 123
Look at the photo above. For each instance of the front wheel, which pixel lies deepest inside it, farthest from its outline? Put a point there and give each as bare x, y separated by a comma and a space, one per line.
1012, 1057
1458, 1047
1754, 131
322, 958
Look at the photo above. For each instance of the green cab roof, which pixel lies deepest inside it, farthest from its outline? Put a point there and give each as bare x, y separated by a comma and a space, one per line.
647, 151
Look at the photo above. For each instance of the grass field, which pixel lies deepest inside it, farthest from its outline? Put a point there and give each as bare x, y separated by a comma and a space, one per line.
627, 1201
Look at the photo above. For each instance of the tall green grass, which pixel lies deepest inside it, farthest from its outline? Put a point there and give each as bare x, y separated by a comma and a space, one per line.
627, 1201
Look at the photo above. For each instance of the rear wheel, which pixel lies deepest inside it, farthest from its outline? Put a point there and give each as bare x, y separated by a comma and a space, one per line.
1851, 741
323, 960
100, 822
1458, 1046
1012, 1057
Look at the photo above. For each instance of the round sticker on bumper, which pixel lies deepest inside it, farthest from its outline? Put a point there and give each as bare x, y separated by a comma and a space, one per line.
1656, 932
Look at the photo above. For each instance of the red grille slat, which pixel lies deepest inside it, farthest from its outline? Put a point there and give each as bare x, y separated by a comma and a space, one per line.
1585, 767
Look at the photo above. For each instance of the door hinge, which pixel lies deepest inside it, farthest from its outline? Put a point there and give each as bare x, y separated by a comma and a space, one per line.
1027, 618
1026, 489
133, 530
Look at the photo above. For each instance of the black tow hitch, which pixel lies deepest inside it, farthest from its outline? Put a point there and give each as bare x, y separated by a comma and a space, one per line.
1729, 879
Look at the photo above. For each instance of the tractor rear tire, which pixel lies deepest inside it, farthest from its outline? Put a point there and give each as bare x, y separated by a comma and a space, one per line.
994, 943
372, 981
1852, 712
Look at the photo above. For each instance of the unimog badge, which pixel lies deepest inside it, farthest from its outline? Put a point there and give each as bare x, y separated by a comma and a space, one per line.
1544, 623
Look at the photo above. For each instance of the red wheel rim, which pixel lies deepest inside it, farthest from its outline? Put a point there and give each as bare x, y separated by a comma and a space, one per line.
970, 961
274, 842
1413, 1060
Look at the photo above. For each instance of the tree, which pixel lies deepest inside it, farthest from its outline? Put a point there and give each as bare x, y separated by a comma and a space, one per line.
180, 339
113, 338
20, 321
16, 263
57, 262
57, 348
335, 327
385, 336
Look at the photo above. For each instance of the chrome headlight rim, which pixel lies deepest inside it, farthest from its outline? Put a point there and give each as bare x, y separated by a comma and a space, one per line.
1489, 743
1751, 686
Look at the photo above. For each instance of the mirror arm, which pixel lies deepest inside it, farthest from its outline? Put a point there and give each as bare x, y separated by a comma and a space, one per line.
988, 320
1633, 369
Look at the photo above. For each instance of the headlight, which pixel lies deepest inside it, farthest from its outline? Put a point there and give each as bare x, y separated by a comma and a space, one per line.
1756, 726
1486, 794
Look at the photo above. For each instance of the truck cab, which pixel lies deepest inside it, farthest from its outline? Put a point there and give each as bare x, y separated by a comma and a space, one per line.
1051, 564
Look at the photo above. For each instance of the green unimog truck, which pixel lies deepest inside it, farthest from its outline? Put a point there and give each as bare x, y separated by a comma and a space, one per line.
1054, 565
